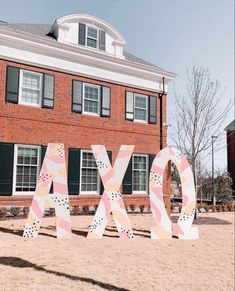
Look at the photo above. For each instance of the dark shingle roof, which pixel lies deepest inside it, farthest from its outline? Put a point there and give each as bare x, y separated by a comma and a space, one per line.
231, 126
44, 29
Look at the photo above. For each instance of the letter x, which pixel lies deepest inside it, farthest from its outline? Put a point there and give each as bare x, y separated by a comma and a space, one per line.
111, 201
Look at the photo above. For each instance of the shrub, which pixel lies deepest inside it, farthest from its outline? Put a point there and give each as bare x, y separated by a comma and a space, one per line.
141, 208
52, 211
132, 207
25, 211
3, 212
15, 211
76, 210
85, 209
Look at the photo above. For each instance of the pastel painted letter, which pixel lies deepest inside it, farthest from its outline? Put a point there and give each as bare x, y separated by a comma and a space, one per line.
53, 169
163, 229
111, 201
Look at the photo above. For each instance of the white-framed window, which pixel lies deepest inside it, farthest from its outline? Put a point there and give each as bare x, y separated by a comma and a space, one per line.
92, 35
26, 168
89, 174
140, 173
91, 99
140, 108
30, 91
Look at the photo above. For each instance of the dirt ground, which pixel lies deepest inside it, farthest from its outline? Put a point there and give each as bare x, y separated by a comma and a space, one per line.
110, 263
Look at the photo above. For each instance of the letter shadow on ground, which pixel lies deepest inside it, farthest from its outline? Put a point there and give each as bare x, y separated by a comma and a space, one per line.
20, 263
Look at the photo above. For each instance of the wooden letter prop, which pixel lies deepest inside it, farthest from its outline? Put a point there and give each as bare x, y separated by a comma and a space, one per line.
53, 169
111, 200
184, 229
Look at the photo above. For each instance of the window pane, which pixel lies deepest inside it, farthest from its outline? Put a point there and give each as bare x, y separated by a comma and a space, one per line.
140, 102
91, 42
31, 80
140, 114
91, 93
91, 106
90, 175
26, 168
139, 173
31, 88
92, 32
30, 96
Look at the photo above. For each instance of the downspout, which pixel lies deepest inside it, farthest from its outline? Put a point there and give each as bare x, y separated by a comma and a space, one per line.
161, 113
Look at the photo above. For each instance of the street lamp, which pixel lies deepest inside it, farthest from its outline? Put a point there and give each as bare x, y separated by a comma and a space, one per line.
213, 182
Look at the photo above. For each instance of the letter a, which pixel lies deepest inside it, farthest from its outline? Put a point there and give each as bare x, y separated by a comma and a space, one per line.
111, 200
53, 169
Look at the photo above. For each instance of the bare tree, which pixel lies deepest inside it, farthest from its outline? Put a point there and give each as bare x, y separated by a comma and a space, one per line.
199, 115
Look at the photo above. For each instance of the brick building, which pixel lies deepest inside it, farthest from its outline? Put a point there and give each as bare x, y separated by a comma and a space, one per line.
230, 129
73, 82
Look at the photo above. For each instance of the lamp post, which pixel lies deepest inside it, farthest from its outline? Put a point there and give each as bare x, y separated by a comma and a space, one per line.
213, 182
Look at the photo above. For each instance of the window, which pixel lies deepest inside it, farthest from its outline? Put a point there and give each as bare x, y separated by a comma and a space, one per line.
140, 173
30, 88
89, 173
26, 168
91, 96
140, 107
91, 37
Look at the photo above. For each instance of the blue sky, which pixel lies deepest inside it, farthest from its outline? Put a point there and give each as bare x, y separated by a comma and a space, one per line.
172, 34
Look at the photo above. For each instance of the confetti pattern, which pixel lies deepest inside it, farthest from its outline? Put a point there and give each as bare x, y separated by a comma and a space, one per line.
111, 201
163, 229
53, 169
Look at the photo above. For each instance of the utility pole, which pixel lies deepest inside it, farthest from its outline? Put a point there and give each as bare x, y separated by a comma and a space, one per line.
213, 181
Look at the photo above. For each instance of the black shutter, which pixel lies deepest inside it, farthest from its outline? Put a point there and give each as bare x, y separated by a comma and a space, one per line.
74, 171
6, 168
151, 159
105, 101
129, 105
77, 96
48, 91
152, 109
102, 40
43, 152
12, 84
127, 180
101, 183
82, 34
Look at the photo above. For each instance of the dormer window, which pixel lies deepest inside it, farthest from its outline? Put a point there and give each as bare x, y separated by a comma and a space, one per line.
91, 37
90, 32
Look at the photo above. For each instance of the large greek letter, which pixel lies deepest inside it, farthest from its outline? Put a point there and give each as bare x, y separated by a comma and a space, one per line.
163, 229
53, 169
111, 200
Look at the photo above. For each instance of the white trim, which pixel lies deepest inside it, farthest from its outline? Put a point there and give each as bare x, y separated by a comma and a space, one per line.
21, 85
80, 178
147, 167
65, 20
14, 192
74, 59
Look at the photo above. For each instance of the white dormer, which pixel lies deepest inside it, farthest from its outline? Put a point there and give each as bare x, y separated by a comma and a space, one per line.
90, 32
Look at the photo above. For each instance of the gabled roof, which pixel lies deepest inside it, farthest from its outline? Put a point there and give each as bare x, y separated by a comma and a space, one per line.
231, 126
44, 29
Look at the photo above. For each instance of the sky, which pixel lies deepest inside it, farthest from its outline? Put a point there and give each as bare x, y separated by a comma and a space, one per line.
173, 34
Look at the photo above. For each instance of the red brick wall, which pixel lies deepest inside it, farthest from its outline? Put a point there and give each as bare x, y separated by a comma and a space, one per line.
29, 125
231, 155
